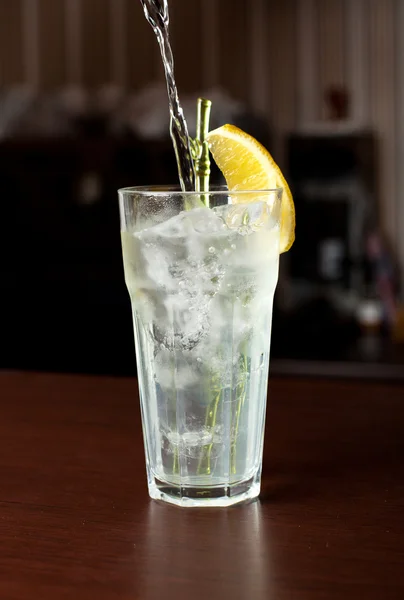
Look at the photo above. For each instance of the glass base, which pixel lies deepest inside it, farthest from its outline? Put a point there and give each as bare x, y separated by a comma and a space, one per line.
209, 496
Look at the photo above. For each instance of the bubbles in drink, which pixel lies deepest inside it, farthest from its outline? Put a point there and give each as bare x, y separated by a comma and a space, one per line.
190, 271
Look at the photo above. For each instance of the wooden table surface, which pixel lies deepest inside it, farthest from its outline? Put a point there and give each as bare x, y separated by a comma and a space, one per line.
76, 521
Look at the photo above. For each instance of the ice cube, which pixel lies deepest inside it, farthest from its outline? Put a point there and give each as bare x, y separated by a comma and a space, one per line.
178, 273
201, 220
170, 375
205, 220
175, 228
245, 218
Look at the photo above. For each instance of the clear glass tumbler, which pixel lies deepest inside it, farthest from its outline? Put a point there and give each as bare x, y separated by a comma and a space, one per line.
201, 270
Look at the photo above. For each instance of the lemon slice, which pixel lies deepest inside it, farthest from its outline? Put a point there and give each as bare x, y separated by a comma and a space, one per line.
247, 165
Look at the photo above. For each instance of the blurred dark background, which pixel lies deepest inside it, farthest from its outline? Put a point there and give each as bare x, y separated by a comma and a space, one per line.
83, 112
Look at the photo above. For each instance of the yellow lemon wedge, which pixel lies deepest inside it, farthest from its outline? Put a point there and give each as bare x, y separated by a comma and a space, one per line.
247, 165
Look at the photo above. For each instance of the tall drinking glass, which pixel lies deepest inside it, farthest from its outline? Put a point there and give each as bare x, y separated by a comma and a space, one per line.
201, 282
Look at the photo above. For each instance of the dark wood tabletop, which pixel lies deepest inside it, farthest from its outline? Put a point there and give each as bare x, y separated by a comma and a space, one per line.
76, 521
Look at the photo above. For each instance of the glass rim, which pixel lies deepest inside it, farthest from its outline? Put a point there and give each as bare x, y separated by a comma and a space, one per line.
174, 190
